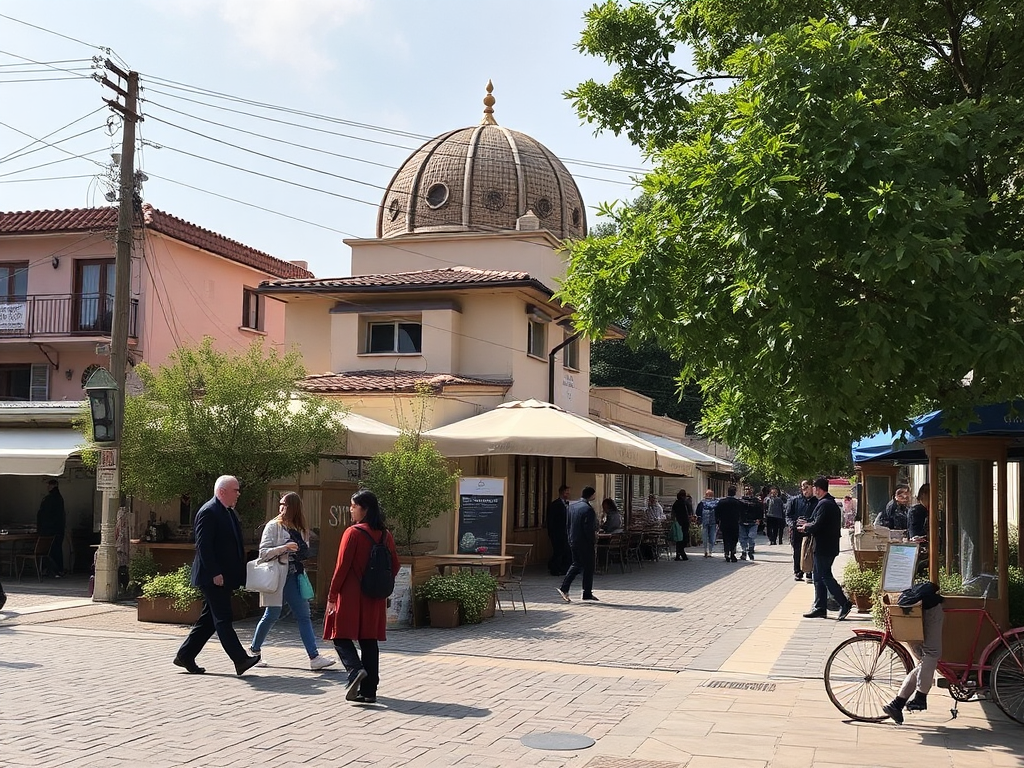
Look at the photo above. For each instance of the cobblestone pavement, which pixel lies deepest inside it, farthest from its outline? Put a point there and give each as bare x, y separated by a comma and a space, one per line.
653, 673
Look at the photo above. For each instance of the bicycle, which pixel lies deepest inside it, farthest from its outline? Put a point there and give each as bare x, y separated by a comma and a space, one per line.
866, 671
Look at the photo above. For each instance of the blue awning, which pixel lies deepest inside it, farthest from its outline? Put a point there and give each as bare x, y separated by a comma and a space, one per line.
1001, 419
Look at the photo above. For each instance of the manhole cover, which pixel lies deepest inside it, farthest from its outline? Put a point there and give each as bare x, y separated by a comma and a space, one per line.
555, 741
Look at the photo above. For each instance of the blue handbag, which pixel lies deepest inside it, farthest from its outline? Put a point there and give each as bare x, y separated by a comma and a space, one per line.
305, 587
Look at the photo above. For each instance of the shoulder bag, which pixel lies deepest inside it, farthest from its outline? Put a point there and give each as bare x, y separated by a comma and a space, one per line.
263, 576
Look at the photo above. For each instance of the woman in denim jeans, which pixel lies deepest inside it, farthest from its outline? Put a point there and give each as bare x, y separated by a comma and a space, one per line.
284, 538
709, 529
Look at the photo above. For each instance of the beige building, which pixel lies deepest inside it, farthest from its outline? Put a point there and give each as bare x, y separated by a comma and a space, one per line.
457, 291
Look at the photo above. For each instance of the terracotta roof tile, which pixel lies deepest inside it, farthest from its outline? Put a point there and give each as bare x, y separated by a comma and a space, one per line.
428, 278
102, 219
392, 381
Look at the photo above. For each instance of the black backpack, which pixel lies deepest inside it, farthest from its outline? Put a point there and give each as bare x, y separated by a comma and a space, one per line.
378, 579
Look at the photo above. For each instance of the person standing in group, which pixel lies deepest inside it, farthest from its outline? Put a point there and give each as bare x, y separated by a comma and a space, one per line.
51, 520
217, 571
682, 513
286, 537
775, 515
894, 516
826, 527
727, 514
800, 507
353, 616
708, 525
558, 518
917, 515
582, 530
750, 521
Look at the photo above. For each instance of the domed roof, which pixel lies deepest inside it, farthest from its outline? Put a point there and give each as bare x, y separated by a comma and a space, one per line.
482, 179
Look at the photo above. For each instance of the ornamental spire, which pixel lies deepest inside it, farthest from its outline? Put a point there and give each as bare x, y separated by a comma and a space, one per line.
489, 107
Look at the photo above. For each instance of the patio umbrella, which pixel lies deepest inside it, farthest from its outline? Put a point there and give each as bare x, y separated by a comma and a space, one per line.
534, 428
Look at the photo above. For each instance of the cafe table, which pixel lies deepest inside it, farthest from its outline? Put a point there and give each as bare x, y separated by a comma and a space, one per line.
494, 563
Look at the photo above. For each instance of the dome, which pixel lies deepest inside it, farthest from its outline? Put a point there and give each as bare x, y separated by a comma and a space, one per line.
482, 179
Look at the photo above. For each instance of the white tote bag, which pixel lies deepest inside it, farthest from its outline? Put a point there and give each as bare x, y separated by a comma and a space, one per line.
262, 576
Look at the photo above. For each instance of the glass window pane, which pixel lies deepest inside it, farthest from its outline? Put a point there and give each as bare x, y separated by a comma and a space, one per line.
409, 337
382, 337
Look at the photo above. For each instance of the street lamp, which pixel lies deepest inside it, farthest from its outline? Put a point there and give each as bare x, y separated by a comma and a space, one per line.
102, 391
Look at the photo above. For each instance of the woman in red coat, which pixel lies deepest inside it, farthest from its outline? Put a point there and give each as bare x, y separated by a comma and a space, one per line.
351, 615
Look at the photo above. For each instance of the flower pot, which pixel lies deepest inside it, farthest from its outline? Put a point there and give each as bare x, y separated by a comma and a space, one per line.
443, 613
488, 612
863, 603
161, 610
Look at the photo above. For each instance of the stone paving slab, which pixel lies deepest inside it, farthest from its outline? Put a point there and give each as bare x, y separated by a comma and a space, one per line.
638, 673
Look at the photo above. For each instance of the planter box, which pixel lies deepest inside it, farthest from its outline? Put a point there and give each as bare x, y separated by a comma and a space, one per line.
443, 613
488, 612
160, 610
863, 603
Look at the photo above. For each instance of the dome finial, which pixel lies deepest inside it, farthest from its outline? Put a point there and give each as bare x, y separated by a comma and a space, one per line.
489, 107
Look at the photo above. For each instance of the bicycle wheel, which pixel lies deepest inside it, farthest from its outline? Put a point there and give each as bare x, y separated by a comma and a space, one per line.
1008, 682
861, 676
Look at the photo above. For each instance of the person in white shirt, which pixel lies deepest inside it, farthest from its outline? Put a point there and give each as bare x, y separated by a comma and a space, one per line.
654, 513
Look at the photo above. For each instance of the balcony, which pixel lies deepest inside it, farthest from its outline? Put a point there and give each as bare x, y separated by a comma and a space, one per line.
67, 315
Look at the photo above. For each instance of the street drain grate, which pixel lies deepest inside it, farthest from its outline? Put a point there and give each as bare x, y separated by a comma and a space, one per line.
735, 685
625, 762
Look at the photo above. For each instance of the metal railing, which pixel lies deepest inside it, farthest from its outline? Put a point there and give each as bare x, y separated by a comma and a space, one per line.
70, 314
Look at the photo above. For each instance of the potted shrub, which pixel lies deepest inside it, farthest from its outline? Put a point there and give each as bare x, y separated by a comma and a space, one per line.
170, 598
141, 568
477, 600
861, 584
442, 594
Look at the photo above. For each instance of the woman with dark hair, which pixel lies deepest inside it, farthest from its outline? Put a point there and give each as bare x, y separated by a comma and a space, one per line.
612, 516
352, 616
682, 511
286, 539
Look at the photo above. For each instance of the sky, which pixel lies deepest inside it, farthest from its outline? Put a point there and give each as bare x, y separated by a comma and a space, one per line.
279, 123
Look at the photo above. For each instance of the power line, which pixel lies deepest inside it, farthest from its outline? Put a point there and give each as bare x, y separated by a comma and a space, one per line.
51, 32
48, 178
19, 153
54, 146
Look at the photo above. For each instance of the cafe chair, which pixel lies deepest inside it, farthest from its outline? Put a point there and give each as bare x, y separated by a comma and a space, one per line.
511, 581
634, 548
39, 554
612, 549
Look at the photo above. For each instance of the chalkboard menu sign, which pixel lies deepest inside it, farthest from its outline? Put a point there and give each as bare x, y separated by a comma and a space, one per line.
481, 515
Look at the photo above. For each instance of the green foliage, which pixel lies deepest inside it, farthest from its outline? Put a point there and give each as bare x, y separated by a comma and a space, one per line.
142, 567
845, 185
176, 585
949, 584
208, 413
413, 483
861, 582
1016, 595
471, 589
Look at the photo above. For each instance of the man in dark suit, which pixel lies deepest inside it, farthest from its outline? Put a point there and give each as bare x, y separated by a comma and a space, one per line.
558, 520
51, 521
727, 514
582, 530
826, 527
218, 570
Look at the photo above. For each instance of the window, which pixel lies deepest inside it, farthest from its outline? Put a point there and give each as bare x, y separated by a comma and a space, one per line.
94, 295
13, 281
535, 340
400, 337
532, 481
28, 381
571, 353
252, 309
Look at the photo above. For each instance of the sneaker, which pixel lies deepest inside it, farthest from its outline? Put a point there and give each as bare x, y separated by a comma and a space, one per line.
319, 662
261, 662
563, 595
352, 692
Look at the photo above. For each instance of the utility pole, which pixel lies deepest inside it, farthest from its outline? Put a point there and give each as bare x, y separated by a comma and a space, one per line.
105, 583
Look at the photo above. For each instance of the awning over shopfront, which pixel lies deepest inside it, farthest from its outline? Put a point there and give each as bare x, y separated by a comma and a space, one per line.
670, 462
535, 428
367, 437
37, 451
704, 461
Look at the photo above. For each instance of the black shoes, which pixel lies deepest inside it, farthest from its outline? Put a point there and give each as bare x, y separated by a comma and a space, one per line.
591, 597
845, 611
798, 577
247, 663
352, 692
360, 699
919, 703
816, 614
894, 709
189, 666
750, 554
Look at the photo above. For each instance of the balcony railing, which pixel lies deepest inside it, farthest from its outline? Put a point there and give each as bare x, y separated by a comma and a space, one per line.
74, 314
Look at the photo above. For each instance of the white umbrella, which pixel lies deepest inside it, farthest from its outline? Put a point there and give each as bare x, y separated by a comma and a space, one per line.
534, 428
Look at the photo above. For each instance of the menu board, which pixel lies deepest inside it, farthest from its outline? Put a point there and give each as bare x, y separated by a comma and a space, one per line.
481, 522
899, 567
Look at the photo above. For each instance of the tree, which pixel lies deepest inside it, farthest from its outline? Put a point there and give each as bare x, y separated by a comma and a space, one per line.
834, 242
208, 413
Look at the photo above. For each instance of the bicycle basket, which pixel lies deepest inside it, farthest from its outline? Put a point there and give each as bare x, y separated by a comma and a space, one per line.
905, 624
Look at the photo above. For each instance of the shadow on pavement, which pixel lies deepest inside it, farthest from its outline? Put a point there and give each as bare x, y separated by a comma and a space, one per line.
430, 708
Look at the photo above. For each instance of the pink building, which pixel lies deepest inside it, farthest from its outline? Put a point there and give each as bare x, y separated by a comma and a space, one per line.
56, 307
